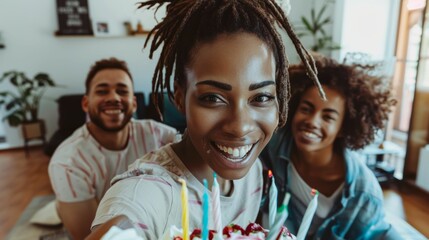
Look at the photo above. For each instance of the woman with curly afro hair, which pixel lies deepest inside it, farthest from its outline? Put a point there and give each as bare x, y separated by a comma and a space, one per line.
315, 151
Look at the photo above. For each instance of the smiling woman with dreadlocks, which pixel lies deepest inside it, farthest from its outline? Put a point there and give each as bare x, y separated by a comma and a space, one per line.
229, 67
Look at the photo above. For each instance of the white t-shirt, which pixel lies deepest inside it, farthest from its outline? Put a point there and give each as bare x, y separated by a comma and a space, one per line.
303, 192
81, 168
149, 194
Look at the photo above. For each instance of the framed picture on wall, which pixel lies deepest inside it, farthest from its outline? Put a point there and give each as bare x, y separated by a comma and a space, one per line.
101, 28
73, 17
108, 28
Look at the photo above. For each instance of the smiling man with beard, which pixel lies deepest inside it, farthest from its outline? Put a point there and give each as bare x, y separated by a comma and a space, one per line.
83, 165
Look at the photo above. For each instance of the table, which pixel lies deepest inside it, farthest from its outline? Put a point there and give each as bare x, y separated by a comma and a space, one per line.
378, 156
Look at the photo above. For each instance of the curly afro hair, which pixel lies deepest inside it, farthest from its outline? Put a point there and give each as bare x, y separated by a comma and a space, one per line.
368, 98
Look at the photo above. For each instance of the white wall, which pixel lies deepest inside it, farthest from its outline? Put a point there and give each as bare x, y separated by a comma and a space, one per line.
28, 31
368, 26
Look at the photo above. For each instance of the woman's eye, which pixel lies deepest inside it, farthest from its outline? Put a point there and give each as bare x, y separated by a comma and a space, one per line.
329, 118
210, 98
264, 98
304, 109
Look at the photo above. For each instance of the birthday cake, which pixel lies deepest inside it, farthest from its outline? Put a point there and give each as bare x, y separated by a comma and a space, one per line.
253, 231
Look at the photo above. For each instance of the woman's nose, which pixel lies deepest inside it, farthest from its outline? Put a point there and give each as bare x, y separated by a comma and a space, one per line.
239, 121
313, 120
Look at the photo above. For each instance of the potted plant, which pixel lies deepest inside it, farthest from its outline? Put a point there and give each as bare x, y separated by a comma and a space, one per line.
22, 105
315, 27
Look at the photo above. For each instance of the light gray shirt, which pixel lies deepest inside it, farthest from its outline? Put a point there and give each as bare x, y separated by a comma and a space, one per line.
149, 194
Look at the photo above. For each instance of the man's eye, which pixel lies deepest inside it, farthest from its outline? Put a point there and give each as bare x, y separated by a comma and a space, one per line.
122, 92
101, 92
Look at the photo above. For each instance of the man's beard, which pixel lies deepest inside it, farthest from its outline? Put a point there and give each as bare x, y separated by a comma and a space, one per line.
97, 121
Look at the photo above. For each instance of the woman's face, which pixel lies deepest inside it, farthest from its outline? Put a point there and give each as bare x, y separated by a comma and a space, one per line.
316, 123
230, 102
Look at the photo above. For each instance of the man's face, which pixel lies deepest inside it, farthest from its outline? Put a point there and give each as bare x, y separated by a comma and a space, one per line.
110, 102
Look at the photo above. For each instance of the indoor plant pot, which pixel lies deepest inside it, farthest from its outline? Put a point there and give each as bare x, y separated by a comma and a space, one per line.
20, 97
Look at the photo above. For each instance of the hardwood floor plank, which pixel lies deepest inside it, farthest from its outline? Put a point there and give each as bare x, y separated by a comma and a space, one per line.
21, 180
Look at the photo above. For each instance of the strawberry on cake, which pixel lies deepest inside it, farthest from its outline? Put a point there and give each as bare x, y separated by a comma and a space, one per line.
253, 231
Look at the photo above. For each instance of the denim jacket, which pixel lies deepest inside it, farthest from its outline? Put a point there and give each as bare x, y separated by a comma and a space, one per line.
359, 213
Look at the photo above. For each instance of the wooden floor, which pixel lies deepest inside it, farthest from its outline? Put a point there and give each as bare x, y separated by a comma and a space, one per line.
22, 179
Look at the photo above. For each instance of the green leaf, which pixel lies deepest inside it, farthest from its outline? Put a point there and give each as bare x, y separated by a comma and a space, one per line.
312, 15
325, 21
14, 80
14, 120
26, 95
322, 10
307, 24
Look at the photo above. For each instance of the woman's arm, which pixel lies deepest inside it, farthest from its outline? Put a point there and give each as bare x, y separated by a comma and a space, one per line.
120, 221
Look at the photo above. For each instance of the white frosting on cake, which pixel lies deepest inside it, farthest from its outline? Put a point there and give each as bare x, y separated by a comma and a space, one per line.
116, 233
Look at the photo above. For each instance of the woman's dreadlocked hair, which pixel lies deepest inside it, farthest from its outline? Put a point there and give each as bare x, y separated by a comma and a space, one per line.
192, 22
368, 98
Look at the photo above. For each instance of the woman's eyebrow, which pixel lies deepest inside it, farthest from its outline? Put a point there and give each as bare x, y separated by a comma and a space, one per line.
331, 110
327, 110
255, 86
217, 84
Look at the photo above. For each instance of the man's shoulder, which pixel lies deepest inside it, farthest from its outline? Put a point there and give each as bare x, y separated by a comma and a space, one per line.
77, 144
151, 123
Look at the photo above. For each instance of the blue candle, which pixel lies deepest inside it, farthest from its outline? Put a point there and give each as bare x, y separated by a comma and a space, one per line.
205, 228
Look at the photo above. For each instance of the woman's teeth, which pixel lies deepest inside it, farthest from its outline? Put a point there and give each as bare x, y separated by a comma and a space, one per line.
236, 152
310, 135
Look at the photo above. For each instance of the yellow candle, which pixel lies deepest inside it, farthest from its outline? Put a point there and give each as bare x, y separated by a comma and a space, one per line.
185, 213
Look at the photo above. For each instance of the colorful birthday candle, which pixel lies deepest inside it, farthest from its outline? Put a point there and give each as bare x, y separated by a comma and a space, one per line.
185, 212
282, 214
308, 216
217, 217
205, 228
273, 201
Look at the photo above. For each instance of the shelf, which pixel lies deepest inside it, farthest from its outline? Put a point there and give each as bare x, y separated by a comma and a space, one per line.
145, 33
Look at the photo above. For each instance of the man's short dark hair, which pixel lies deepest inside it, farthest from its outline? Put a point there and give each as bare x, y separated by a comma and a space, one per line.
110, 63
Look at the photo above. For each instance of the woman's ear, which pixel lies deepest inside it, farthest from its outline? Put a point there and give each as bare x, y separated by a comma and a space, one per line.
179, 98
